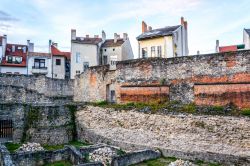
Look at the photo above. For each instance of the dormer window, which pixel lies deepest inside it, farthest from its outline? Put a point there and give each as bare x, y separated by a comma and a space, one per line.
14, 59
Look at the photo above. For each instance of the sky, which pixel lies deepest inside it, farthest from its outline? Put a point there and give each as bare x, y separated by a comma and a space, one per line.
41, 20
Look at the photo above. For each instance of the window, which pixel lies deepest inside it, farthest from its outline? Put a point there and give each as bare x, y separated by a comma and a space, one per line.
105, 59
153, 51
144, 53
77, 71
14, 59
113, 59
105, 50
113, 49
39, 63
85, 66
159, 51
58, 62
13, 48
78, 57
112, 96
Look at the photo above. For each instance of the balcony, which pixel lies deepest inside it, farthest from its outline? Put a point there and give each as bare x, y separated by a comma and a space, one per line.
39, 70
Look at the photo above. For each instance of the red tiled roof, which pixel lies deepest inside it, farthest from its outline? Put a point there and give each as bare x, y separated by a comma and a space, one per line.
228, 48
17, 52
56, 52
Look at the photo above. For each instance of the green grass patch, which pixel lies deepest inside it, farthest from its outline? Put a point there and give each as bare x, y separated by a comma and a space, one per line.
246, 112
53, 147
12, 147
79, 144
76, 144
59, 163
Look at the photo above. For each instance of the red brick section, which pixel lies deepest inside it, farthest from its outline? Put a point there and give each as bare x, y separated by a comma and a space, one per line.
239, 94
144, 94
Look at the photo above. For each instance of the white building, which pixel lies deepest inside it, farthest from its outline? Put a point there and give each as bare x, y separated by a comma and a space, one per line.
167, 42
117, 49
92, 51
39, 63
246, 38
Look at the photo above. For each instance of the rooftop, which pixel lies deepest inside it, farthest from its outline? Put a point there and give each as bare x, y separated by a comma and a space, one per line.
84, 40
56, 52
39, 54
167, 31
248, 31
111, 43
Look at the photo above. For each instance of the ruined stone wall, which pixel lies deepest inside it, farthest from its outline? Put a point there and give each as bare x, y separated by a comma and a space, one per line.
20, 88
42, 123
181, 77
92, 84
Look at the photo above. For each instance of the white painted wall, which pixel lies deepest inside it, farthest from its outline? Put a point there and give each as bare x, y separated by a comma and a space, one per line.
31, 63
127, 52
20, 70
88, 53
59, 70
246, 39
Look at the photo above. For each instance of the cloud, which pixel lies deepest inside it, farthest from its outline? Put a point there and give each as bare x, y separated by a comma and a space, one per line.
6, 17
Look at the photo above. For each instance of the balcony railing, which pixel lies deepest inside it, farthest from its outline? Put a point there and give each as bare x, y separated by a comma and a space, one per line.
42, 68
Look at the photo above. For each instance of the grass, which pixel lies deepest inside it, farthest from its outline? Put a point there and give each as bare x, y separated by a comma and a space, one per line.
246, 112
59, 163
76, 144
12, 147
175, 106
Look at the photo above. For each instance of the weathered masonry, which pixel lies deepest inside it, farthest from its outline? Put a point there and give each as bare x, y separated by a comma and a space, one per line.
213, 79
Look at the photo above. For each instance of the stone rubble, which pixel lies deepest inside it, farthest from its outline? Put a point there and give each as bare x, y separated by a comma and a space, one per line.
103, 155
187, 133
30, 147
181, 163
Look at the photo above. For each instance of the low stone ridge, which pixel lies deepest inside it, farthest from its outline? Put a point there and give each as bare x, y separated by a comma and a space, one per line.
181, 163
185, 133
30, 147
103, 155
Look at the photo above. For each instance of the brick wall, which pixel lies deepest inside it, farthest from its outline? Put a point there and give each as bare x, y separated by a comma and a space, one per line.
181, 74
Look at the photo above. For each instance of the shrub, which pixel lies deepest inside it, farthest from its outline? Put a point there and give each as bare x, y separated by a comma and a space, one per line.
12, 147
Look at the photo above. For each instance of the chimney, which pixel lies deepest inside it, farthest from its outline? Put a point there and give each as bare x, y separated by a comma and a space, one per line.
13, 48
4, 43
185, 24
118, 36
55, 44
125, 36
87, 36
217, 46
96, 36
144, 27
50, 43
30, 46
149, 28
115, 37
198, 52
103, 35
73, 34
182, 21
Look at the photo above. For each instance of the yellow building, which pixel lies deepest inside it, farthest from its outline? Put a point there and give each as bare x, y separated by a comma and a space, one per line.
167, 42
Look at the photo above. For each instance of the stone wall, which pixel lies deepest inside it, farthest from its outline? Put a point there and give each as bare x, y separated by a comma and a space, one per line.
135, 157
21, 88
181, 75
42, 123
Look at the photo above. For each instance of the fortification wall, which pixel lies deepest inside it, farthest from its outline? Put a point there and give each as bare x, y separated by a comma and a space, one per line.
187, 79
